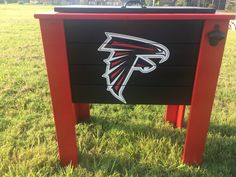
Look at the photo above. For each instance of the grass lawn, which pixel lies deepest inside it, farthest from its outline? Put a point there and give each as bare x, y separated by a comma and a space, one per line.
121, 140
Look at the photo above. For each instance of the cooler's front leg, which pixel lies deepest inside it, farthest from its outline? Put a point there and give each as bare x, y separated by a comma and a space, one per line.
207, 71
59, 82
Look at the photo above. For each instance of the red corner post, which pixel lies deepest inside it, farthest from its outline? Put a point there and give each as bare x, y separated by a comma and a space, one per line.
175, 115
208, 67
59, 82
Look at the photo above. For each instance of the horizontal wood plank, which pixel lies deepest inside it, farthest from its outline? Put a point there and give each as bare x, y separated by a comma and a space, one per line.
161, 31
161, 76
133, 95
82, 54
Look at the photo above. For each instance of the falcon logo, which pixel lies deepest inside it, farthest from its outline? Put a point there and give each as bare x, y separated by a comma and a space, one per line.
129, 54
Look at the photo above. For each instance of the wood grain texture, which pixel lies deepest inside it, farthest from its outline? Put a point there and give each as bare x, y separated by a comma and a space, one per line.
162, 31
133, 95
180, 54
161, 76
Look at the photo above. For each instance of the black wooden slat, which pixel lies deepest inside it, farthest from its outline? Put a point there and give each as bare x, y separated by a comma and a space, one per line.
162, 31
161, 76
133, 95
180, 54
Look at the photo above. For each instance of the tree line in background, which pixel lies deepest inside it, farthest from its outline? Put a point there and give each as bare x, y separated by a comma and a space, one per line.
218, 4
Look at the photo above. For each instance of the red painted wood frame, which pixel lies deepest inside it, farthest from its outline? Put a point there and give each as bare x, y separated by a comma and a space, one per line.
175, 115
67, 113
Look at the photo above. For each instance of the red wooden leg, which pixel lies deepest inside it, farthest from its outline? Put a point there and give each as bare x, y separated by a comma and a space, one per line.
59, 83
82, 112
180, 117
175, 115
209, 61
171, 114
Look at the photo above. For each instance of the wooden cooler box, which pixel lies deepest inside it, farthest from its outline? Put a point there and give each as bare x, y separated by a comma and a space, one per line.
164, 55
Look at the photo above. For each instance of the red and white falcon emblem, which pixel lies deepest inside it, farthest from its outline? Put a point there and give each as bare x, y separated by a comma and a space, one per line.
129, 54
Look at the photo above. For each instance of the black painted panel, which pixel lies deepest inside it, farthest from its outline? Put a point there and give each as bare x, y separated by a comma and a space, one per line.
180, 54
133, 95
162, 31
170, 83
161, 76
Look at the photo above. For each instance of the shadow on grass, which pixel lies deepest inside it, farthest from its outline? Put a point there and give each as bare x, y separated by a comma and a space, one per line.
175, 135
220, 155
220, 150
223, 130
124, 164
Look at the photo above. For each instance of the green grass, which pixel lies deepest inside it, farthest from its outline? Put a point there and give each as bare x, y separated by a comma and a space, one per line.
120, 140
